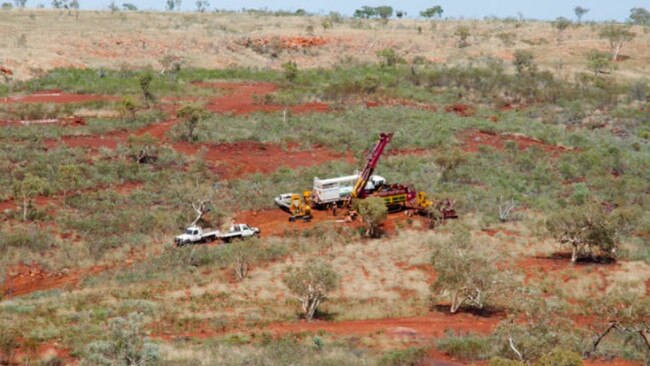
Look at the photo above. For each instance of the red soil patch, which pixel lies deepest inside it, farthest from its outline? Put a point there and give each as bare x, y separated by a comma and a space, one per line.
276, 221
249, 98
55, 96
462, 110
6, 70
43, 351
542, 267
247, 157
614, 362
287, 42
230, 160
473, 140
433, 325
25, 279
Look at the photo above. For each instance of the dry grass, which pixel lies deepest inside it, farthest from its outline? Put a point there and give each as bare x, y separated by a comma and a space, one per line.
135, 39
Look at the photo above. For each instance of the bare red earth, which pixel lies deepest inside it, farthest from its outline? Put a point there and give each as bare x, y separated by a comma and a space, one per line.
247, 157
229, 160
462, 110
287, 42
24, 279
45, 351
276, 221
473, 140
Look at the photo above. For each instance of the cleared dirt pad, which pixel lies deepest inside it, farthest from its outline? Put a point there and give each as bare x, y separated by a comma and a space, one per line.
276, 222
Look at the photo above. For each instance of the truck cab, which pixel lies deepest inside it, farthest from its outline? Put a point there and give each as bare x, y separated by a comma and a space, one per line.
192, 234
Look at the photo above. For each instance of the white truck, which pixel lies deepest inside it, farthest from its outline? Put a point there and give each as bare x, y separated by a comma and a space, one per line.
327, 192
195, 234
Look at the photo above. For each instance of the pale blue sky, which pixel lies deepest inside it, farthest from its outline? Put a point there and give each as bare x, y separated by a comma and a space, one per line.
537, 9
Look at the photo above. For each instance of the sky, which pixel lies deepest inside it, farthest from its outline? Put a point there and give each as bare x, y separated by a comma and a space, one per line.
532, 9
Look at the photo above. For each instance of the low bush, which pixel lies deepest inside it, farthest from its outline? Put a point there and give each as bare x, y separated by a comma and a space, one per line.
466, 347
29, 237
406, 357
560, 357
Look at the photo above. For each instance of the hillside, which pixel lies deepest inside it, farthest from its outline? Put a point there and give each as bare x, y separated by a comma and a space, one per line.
38, 40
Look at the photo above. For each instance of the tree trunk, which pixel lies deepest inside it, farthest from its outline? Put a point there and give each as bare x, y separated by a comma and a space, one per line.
514, 349
574, 254
616, 48
600, 338
455, 304
311, 309
25, 200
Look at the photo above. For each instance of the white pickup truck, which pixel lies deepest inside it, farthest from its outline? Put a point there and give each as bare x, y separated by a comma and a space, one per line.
195, 234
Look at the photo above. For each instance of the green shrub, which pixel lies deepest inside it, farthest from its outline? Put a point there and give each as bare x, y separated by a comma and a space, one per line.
406, 357
28, 237
560, 357
468, 347
126, 344
498, 361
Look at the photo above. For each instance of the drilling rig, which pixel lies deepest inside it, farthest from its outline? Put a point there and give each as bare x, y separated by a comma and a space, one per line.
397, 197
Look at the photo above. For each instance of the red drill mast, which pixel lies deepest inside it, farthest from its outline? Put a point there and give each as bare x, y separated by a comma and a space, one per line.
373, 158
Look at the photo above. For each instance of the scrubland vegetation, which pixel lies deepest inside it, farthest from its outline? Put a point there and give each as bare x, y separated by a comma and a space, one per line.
547, 264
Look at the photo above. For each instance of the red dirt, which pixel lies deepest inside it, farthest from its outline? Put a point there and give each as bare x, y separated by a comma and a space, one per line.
541, 267
287, 42
462, 110
247, 157
55, 96
276, 222
473, 140
433, 325
24, 279
614, 362
249, 98
6, 70
44, 351
230, 160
